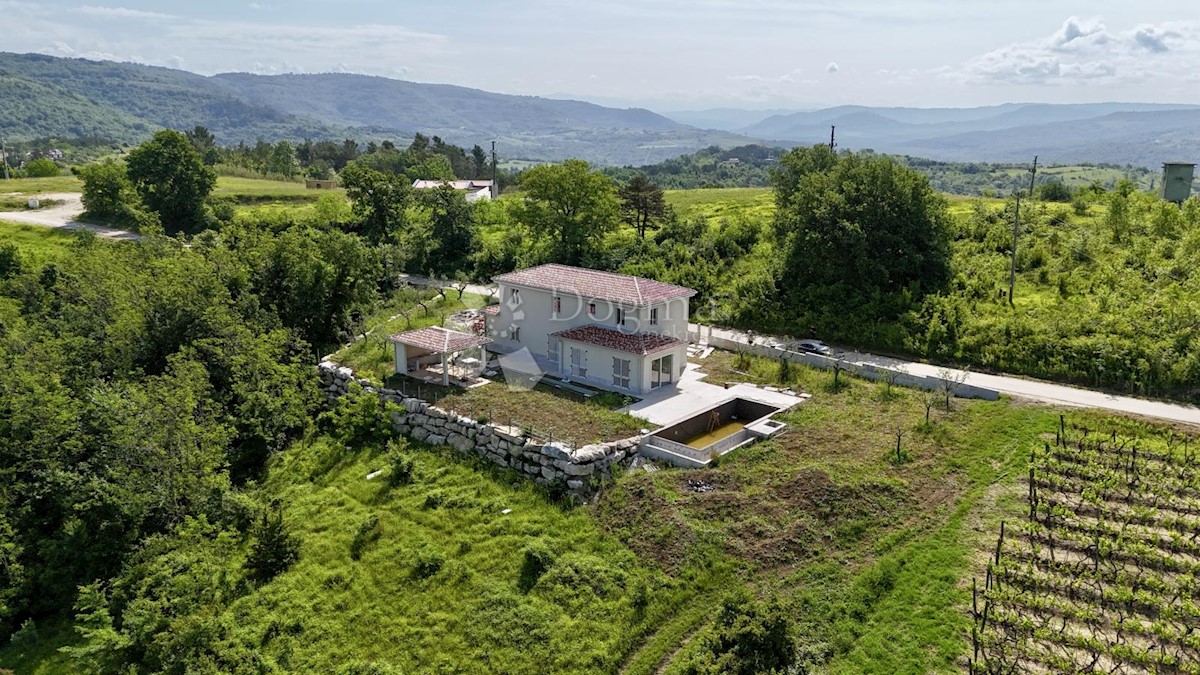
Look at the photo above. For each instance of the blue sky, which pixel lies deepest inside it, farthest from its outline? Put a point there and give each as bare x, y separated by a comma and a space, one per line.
663, 54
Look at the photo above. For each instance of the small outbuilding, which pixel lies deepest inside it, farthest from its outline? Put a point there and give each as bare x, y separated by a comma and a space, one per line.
427, 353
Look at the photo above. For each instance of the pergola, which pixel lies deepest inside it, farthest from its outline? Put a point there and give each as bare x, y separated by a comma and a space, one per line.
425, 346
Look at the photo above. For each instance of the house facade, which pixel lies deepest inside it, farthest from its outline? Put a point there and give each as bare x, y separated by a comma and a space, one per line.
613, 331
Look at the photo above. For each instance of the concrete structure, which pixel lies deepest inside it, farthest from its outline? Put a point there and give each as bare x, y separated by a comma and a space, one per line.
612, 331
320, 183
474, 189
1176, 181
416, 349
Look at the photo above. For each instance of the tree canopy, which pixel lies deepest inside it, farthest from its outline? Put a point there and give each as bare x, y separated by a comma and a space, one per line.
857, 229
172, 180
571, 204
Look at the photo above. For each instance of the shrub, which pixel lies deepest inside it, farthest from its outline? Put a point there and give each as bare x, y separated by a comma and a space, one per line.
749, 637
369, 531
537, 558
274, 550
360, 418
428, 562
401, 466
41, 168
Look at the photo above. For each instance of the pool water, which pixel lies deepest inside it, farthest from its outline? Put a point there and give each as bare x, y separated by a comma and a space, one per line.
726, 429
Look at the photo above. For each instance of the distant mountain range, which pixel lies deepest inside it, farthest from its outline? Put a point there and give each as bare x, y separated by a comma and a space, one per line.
47, 96
1142, 134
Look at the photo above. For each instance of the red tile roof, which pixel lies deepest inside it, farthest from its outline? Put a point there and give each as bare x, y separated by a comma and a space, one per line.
491, 310
619, 288
637, 343
439, 340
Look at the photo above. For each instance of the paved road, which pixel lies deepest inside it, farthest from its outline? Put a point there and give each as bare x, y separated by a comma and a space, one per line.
477, 289
63, 216
1037, 390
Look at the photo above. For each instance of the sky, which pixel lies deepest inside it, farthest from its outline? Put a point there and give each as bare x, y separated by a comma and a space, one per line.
662, 54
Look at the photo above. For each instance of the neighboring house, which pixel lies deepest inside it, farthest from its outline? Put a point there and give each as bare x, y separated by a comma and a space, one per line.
613, 331
474, 190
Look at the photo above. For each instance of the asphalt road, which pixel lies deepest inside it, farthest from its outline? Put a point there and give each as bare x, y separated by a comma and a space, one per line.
1036, 390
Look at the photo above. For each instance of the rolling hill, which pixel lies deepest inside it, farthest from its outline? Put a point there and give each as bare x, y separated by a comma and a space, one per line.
1120, 133
49, 96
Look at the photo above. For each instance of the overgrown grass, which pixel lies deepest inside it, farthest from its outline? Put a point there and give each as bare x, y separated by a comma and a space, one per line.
714, 204
40, 243
871, 558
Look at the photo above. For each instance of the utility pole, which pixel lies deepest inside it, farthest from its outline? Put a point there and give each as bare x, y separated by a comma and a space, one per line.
1012, 267
832, 145
495, 185
4, 158
1032, 176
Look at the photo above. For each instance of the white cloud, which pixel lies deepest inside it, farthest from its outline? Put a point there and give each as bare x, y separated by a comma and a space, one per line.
124, 13
1085, 50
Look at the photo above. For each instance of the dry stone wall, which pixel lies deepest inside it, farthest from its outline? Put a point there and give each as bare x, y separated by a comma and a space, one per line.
580, 469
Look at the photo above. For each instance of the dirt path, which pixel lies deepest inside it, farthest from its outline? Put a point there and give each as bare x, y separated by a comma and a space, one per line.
63, 216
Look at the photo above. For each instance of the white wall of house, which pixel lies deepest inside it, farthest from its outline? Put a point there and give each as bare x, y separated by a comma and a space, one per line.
537, 313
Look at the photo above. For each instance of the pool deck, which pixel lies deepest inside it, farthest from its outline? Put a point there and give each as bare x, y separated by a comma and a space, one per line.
689, 397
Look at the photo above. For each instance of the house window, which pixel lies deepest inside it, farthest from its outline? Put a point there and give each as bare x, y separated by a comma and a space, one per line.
620, 317
654, 316
514, 294
592, 308
552, 351
621, 373
516, 333
578, 362
558, 305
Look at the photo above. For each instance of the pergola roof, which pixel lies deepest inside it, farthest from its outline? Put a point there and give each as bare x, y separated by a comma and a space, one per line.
636, 343
439, 340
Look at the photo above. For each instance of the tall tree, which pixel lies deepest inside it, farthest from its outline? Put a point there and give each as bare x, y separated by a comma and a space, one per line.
643, 205
204, 143
858, 227
572, 204
172, 180
451, 231
282, 160
479, 160
380, 200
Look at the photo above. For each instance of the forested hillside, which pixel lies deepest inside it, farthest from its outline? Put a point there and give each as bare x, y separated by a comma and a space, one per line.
131, 101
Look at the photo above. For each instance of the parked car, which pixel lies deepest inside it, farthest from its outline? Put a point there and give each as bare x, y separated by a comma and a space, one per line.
815, 347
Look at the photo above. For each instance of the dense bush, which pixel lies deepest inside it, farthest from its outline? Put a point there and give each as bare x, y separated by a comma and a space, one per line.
40, 168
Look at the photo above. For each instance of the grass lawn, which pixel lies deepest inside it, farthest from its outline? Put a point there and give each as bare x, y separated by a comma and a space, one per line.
258, 190
29, 186
545, 411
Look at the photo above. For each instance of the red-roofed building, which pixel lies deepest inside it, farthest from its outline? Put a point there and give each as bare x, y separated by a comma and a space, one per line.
435, 346
610, 330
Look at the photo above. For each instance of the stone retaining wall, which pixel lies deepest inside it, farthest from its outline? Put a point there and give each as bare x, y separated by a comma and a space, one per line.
581, 469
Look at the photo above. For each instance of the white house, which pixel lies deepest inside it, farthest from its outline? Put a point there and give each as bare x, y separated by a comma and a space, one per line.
474, 190
613, 331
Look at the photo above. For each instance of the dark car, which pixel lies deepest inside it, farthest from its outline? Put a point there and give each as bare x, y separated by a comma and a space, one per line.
815, 347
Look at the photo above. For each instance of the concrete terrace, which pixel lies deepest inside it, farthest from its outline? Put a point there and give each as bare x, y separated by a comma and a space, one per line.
690, 396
